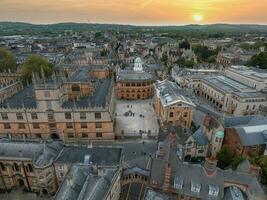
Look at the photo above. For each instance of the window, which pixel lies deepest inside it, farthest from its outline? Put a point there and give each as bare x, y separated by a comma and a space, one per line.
178, 183
36, 125
16, 167
4, 116
30, 168
2, 166
213, 190
83, 125
21, 126
69, 125
171, 114
60, 167
19, 116
201, 151
67, 115
98, 115
98, 125
98, 135
75, 88
247, 107
82, 115
84, 135
47, 93
70, 135
195, 187
7, 126
61, 174
34, 116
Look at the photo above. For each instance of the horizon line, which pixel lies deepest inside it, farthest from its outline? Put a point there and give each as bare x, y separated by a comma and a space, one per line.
137, 25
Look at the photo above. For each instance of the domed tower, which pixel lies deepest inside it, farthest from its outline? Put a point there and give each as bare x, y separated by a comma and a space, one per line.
138, 65
216, 142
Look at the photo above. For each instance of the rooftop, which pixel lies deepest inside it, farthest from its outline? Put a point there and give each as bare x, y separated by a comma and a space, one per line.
82, 182
42, 153
130, 75
169, 94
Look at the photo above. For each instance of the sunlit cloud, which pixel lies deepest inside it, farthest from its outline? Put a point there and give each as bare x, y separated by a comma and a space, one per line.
134, 11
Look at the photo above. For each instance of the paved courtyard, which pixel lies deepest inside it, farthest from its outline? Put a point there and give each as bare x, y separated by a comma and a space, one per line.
135, 119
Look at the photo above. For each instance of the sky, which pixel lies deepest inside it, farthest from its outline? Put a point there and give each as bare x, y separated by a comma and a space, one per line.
138, 12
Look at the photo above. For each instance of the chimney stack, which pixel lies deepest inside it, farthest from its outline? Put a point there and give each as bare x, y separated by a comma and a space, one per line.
210, 166
167, 177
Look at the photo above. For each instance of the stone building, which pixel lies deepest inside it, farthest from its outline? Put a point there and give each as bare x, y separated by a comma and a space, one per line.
75, 109
132, 84
240, 91
171, 106
49, 168
186, 181
88, 182
29, 166
246, 135
10, 84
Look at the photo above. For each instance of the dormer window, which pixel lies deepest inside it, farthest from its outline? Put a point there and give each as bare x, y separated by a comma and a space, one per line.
178, 183
213, 190
195, 187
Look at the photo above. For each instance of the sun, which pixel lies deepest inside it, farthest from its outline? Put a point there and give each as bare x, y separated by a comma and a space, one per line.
198, 18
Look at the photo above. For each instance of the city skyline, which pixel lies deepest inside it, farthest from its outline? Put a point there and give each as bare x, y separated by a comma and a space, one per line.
138, 12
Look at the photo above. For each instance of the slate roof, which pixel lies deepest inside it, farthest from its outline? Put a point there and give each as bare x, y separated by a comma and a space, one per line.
41, 154
195, 174
25, 97
130, 75
102, 156
200, 137
244, 120
153, 195
81, 183
99, 98
255, 137
252, 130
169, 94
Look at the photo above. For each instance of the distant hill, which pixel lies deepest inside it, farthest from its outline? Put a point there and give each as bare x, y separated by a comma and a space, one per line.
16, 28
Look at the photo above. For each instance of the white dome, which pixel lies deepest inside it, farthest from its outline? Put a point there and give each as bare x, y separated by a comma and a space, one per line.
138, 60
138, 64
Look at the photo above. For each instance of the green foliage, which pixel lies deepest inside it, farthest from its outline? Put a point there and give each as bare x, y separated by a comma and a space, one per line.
259, 60
204, 54
7, 61
184, 45
164, 59
193, 127
35, 63
185, 63
262, 162
197, 159
237, 160
224, 157
104, 52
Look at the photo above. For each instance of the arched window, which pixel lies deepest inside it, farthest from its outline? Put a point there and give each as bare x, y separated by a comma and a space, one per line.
2, 166
30, 168
75, 88
16, 167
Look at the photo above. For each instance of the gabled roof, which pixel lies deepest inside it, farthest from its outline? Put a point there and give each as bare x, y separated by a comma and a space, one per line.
170, 94
200, 137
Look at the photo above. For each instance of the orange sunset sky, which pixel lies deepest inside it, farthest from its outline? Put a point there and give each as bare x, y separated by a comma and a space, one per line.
143, 12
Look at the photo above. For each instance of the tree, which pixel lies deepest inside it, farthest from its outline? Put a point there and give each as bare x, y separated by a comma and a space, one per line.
224, 157
7, 60
237, 160
204, 54
185, 63
35, 63
262, 162
259, 60
184, 45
